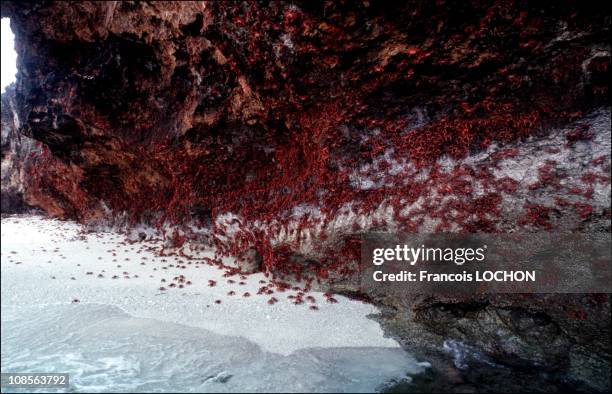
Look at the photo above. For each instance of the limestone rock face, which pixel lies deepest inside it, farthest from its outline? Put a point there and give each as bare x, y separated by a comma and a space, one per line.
290, 129
16, 151
238, 107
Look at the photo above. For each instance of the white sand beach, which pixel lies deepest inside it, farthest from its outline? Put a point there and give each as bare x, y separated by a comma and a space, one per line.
62, 311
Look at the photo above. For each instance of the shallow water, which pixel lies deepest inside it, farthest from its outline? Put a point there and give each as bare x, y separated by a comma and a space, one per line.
105, 349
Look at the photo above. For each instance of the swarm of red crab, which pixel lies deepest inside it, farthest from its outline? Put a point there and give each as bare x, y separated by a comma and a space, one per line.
195, 111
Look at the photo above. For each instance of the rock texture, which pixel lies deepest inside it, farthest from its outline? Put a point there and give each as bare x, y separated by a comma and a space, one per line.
198, 107
16, 150
287, 130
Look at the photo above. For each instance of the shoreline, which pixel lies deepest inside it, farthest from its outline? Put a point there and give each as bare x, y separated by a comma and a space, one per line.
66, 278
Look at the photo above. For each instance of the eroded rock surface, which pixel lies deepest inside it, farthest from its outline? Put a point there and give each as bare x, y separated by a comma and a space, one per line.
196, 107
16, 151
